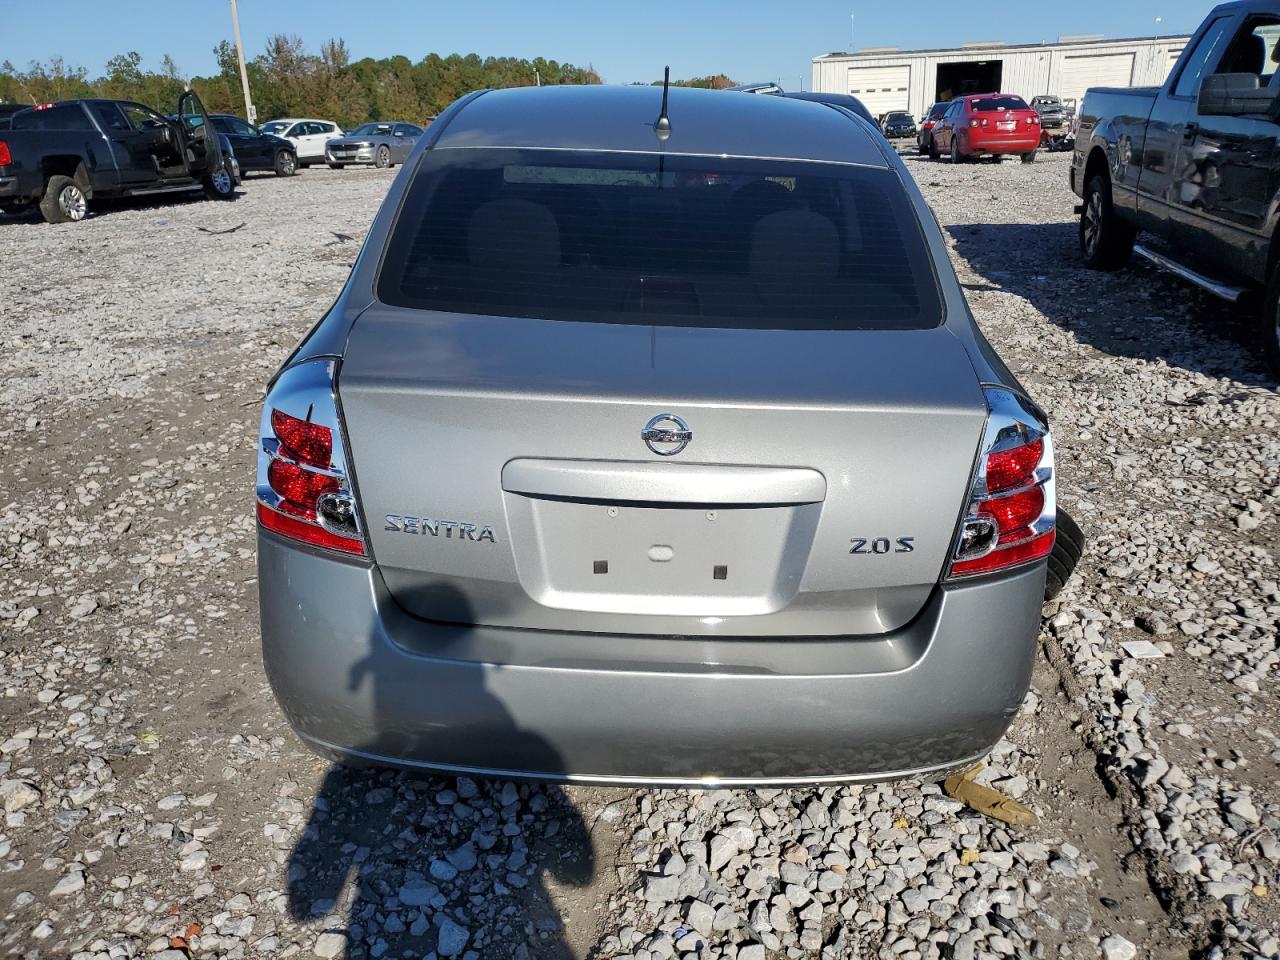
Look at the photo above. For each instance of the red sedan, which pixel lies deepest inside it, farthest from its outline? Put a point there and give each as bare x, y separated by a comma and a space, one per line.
986, 124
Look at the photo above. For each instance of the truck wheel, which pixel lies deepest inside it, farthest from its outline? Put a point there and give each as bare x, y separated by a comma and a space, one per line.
1029, 157
1270, 325
1068, 545
63, 201
1106, 241
286, 163
219, 185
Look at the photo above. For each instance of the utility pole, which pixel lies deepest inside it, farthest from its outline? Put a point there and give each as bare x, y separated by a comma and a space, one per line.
250, 114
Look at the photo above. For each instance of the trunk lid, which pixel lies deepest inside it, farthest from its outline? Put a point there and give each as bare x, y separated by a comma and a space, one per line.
504, 479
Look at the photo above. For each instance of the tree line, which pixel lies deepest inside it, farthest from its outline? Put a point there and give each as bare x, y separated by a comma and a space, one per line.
288, 80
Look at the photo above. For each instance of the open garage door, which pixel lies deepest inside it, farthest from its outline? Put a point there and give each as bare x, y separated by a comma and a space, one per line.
968, 76
1081, 72
881, 88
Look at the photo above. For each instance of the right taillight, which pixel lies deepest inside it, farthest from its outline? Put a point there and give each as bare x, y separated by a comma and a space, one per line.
6, 157
1012, 509
304, 490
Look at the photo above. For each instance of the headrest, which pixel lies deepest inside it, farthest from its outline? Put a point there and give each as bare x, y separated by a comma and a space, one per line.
508, 233
793, 245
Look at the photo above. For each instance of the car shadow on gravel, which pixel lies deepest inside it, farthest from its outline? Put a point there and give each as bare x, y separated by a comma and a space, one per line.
400, 864
1136, 312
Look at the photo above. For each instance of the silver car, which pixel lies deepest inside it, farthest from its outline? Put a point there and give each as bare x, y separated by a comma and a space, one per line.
635, 453
381, 144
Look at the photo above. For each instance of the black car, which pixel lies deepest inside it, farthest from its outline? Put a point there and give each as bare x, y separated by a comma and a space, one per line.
898, 124
257, 150
924, 139
845, 100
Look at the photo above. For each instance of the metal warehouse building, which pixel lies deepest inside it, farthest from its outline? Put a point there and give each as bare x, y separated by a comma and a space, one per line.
890, 79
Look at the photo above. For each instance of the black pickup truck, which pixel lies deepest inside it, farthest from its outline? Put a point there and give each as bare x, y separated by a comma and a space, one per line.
63, 155
1195, 164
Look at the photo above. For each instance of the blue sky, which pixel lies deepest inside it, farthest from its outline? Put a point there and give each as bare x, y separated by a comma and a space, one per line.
747, 39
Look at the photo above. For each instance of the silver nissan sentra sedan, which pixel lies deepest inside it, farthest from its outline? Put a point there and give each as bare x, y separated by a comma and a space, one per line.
655, 452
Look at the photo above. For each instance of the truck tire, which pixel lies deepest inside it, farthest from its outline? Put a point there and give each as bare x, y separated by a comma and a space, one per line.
1269, 328
286, 163
219, 185
1067, 548
63, 201
1106, 241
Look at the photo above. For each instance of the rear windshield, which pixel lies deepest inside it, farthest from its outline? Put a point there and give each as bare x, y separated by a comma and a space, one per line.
938, 109
68, 117
999, 103
677, 241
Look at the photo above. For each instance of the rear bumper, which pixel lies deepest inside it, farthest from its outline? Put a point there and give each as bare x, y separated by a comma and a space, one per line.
991, 144
359, 678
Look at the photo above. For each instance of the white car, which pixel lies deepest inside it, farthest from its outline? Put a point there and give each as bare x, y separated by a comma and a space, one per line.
307, 136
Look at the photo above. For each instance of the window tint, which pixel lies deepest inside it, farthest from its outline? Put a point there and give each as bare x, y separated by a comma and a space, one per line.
297, 130
987, 104
1196, 64
241, 128
407, 130
1254, 49
110, 117
937, 110
681, 241
70, 116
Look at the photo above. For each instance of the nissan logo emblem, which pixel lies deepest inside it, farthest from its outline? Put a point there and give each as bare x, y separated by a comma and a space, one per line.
666, 434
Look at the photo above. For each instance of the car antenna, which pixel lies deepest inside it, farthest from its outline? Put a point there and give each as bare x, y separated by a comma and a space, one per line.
662, 127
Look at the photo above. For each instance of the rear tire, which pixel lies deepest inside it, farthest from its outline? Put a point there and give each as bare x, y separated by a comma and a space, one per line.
956, 155
1068, 546
1106, 241
922, 146
1029, 157
63, 201
336, 166
286, 163
933, 150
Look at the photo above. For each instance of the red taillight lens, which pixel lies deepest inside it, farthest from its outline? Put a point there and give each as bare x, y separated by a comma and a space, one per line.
1009, 469
1019, 553
299, 487
308, 442
1015, 512
311, 533
6, 157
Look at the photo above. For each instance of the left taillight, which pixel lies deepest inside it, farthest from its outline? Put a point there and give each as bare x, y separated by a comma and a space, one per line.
6, 157
1012, 514
304, 489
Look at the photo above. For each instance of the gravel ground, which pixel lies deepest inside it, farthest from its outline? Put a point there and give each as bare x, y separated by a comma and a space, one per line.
157, 805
